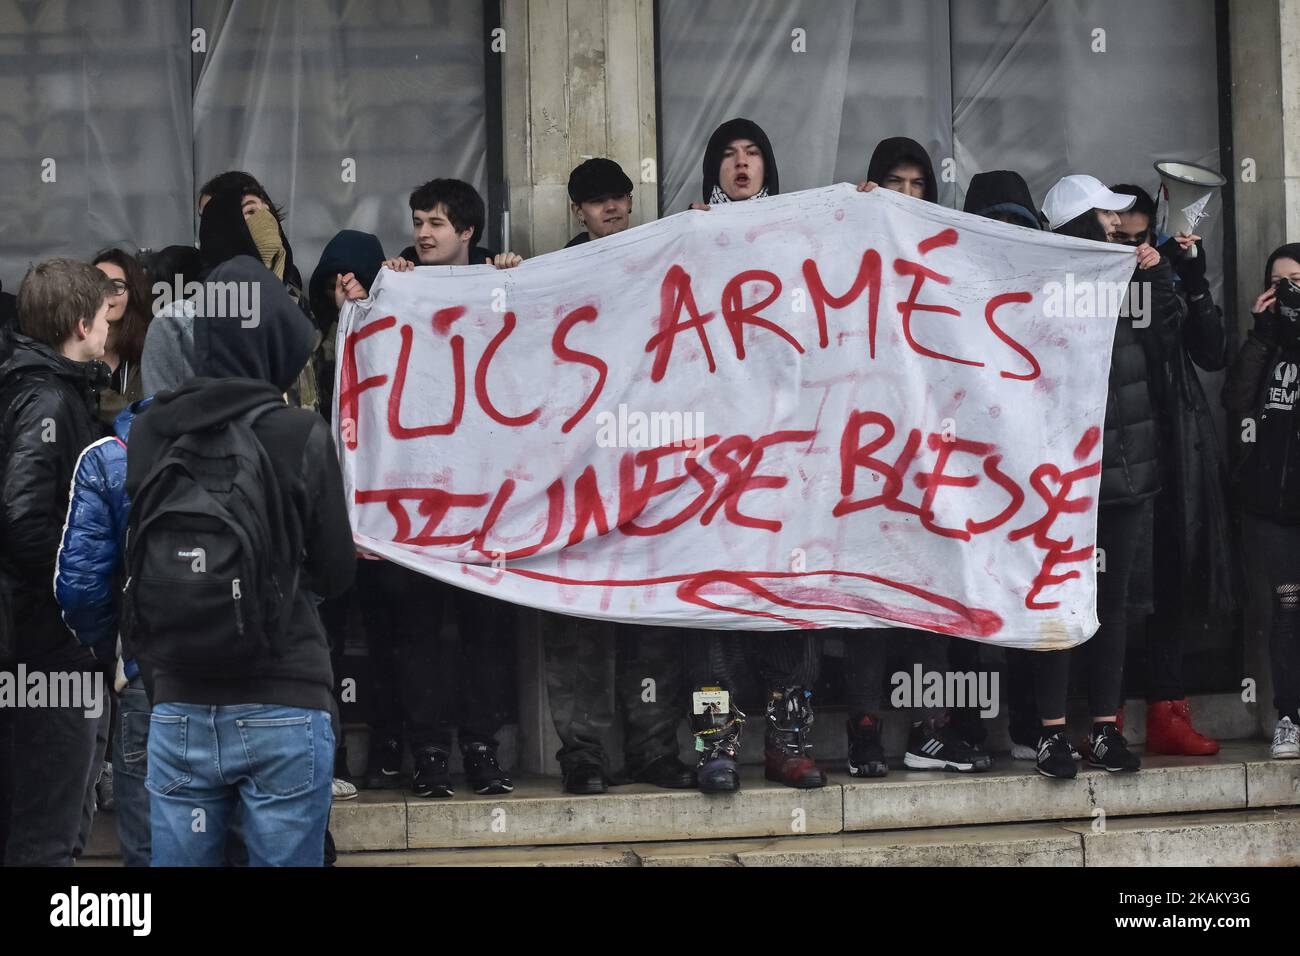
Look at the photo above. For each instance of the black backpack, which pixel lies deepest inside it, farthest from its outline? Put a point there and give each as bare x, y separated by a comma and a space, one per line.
213, 554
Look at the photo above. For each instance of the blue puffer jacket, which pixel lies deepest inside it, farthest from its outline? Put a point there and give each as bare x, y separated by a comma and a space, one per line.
86, 581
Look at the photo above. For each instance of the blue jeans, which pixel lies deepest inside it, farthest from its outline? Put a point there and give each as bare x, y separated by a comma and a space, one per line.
130, 750
274, 764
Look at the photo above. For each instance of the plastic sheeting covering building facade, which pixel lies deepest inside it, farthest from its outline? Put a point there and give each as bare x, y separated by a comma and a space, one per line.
113, 113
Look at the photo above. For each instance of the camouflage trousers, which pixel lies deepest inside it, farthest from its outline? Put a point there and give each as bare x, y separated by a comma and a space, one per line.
595, 669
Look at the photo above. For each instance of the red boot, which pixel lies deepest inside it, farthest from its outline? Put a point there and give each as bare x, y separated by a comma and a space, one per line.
787, 753
1170, 731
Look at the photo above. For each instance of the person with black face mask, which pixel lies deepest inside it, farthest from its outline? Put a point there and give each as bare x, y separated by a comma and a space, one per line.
1002, 194
1192, 566
1261, 388
1082, 207
739, 165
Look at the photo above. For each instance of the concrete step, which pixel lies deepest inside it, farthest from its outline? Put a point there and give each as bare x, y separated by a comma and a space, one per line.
539, 814
1227, 838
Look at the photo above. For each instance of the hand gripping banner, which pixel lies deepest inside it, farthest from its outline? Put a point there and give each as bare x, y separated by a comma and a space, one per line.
823, 409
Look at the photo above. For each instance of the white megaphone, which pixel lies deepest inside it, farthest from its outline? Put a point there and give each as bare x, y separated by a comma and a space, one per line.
1185, 192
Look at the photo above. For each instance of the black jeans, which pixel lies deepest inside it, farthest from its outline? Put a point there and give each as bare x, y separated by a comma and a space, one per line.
422, 692
733, 659
865, 655
1274, 551
595, 667
1165, 633
52, 753
1119, 529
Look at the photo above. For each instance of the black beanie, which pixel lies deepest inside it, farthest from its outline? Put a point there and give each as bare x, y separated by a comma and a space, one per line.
598, 179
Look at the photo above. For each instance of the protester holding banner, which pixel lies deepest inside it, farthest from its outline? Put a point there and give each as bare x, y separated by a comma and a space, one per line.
1080, 206
404, 610
1004, 195
442, 210
739, 165
936, 740
1191, 546
600, 198
1261, 388
594, 668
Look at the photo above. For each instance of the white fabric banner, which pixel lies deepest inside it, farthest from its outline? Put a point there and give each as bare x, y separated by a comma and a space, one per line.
823, 409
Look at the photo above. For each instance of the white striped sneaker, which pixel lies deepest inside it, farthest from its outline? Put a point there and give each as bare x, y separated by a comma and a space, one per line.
1286, 740
342, 790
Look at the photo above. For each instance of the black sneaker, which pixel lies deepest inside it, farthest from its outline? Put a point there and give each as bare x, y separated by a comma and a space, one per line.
969, 726
1109, 751
931, 747
432, 777
866, 755
1056, 756
384, 768
586, 778
482, 770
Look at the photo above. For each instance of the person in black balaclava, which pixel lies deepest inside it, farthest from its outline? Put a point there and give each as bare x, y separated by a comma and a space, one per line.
903, 165
739, 165
1003, 195
235, 222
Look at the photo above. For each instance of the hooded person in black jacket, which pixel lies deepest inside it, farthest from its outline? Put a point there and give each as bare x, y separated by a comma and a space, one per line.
235, 223
903, 165
739, 165
48, 402
347, 269
264, 740
939, 739
1261, 388
1082, 207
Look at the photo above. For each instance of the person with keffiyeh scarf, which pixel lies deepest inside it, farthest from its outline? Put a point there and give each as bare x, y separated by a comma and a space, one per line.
739, 165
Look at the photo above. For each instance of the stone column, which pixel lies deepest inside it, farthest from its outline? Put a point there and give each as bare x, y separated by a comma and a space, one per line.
579, 81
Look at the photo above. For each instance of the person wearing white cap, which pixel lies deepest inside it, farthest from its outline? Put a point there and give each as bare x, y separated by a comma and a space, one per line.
1082, 207
1074, 196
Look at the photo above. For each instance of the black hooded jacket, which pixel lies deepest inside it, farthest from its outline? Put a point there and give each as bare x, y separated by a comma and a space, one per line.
899, 149
1261, 390
243, 366
724, 136
1002, 191
273, 346
350, 251
48, 405
1130, 448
